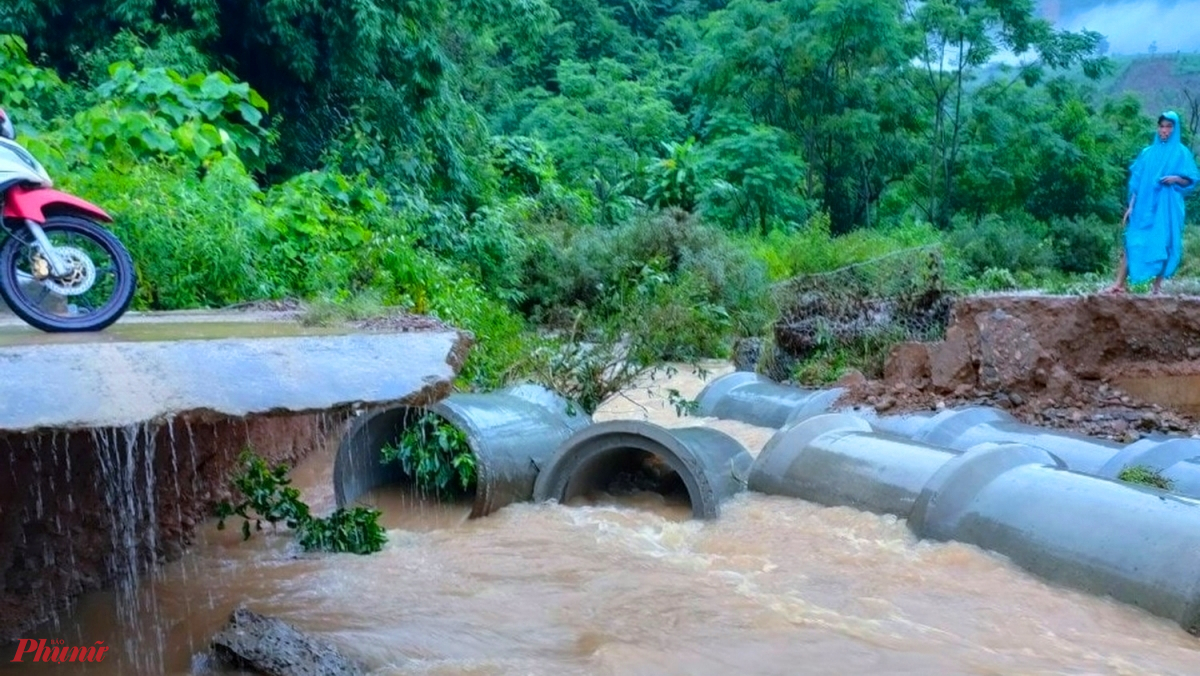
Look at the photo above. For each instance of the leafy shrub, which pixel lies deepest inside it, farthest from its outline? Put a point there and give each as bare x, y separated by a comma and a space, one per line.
667, 267
671, 319
998, 279
157, 113
1016, 242
267, 496
27, 91
196, 242
812, 248
485, 243
591, 363
167, 50
316, 231
353, 531
582, 367
435, 454
524, 164
1083, 244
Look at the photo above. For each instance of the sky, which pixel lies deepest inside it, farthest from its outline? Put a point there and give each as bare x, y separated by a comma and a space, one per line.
1131, 26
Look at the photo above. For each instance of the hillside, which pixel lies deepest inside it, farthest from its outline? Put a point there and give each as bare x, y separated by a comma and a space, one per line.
1162, 83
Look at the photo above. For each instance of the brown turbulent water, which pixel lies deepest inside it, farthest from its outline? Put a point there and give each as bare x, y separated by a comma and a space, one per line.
776, 586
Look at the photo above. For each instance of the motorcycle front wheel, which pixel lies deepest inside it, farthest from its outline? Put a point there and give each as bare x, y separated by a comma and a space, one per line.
95, 292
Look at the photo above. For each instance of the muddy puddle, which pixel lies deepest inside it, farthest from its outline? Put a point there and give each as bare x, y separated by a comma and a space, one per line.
630, 586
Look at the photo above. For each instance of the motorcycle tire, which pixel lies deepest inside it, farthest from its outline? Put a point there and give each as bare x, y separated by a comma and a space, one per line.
102, 318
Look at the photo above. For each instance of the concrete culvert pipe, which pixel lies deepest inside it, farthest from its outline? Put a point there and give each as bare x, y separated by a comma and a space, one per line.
836, 459
511, 432
754, 399
1135, 544
906, 425
960, 429
709, 465
1176, 459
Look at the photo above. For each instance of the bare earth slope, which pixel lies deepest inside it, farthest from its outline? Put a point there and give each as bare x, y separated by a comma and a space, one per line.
1111, 366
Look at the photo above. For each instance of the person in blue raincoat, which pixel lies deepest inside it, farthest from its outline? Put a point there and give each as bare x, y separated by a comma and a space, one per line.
1161, 176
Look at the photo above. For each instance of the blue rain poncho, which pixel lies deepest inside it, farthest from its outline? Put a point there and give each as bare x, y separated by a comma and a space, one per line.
1154, 234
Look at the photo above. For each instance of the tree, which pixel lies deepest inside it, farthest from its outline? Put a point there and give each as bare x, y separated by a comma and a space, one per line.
956, 39
820, 71
603, 121
754, 179
354, 73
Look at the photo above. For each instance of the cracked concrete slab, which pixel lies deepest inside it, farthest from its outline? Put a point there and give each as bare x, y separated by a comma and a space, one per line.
148, 368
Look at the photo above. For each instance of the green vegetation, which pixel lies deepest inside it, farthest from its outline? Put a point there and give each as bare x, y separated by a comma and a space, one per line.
436, 455
267, 496
1146, 476
589, 186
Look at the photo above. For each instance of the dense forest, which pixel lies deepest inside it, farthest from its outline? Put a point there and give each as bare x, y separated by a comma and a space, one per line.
544, 173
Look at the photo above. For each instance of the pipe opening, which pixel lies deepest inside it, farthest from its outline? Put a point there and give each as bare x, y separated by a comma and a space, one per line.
628, 476
434, 469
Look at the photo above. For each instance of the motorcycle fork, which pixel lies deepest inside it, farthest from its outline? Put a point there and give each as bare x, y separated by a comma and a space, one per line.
48, 250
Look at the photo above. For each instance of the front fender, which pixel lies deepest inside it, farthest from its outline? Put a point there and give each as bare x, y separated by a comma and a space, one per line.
31, 203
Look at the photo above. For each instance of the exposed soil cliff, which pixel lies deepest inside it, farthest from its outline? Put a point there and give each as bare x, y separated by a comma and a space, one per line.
1093, 363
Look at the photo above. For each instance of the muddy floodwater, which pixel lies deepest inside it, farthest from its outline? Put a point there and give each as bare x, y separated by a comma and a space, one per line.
775, 586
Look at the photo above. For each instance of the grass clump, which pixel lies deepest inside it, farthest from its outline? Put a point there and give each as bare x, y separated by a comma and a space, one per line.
1146, 476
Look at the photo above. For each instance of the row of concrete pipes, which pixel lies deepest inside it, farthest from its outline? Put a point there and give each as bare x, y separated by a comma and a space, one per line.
1047, 500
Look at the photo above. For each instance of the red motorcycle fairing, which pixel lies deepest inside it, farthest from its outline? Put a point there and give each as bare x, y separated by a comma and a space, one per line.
30, 203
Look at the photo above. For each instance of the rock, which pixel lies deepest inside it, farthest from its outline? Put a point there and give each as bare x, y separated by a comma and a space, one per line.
950, 361
1016, 399
851, 378
774, 363
908, 363
1009, 355
746, 353
1193, 353
1059, 382
885, 404
273, 647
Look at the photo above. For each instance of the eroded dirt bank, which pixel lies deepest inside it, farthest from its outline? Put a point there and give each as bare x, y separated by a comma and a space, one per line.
1110, 366
79, 509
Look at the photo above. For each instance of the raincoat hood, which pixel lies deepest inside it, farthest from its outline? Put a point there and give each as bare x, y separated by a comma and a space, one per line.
1176, 131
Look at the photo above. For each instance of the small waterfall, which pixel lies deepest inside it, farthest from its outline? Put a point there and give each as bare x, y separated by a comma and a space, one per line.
126, 458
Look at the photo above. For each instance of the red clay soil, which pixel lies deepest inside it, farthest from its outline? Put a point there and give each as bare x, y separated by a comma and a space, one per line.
1050, 360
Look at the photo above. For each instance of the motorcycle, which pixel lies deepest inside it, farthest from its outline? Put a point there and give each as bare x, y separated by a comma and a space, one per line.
60, 270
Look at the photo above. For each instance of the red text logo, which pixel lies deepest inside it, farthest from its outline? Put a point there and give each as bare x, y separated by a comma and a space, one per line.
55, 650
